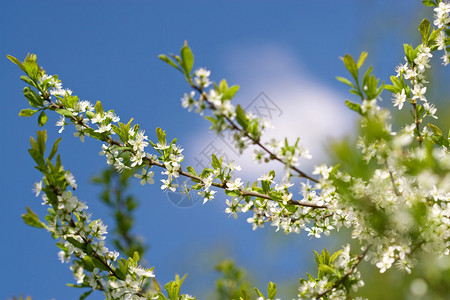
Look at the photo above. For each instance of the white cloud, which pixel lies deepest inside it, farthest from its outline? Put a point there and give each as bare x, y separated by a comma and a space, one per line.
310, 109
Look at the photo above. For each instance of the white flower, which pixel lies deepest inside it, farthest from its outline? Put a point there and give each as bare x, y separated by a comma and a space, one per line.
234, 166
98, 118
202, 77
208, 195
385, 263
215, 98
267, 177
37, 188
207, 182
146, 177
70, 180
188, 101
419, 92
104, 128
137, 158
234, 185
61, 122
430, 109
111, 115
167, 185
399, 99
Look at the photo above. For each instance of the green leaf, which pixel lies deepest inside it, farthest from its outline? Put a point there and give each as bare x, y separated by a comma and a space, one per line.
191, 170
440, 141
37, 157
346, 81
33, 98
409, 53
232, 193
361, 59
77, 244
64, 112
161, 135
173, 290
230, 92
14, 60
215, 163
326, 256
434, 35
326, 269
98, 264
187, 59
84, 295
31, 67
54, 149
42, 119
39, 145
424, 29
435, 129
244, 295
335, 255
241, 117
391, 88
259, 294
223, 86
276, 195
32, 219
429, 3
167, 60
354, 106
136, 257
99, 108
28, 112
271, 290
351, 66
29, 81
90, 114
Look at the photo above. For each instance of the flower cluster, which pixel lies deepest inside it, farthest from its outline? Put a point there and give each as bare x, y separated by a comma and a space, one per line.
413, 70
333, 271
81, 239
442, 21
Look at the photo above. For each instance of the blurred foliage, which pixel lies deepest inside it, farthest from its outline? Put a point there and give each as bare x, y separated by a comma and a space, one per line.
20, 298
122, 205
233, 282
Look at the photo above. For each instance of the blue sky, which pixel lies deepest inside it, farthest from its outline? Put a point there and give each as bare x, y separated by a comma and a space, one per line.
107, 50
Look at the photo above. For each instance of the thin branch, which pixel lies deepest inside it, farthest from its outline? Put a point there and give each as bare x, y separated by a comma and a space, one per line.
254, 141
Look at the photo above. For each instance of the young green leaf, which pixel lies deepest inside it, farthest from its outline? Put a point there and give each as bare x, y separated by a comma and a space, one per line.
161, 136
241, 117
424, 29
429, 3
345, 81
167, 60
260, 294
351, 66
230, 92
361, 59
187, 59
54, 149
435, 129
28, 80
173, 290
32, 219
33, 98
271, 290
99, 108
42, 119
28, 112
354, 106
